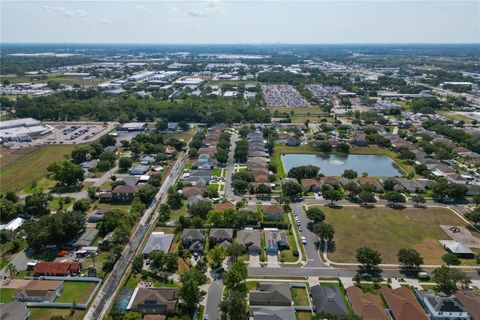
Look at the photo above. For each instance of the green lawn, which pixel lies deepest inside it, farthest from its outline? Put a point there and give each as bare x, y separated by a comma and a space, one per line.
287, 255
48, 313
183, 211
299, 296
217, 172
213, 187
76, 291
304, 315
388, 230
6, 295
23, 171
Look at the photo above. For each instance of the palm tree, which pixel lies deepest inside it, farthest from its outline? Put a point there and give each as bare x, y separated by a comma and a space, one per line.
12, 270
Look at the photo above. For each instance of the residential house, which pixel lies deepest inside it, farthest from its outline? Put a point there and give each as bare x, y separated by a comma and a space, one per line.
221, 236
39, 291
124, 193
330, 181
193, 239
260, 176
328, 299
271, 313
250, 238
61, 269
470, 300
145, 160
86, 238
411, 186
459, 249
138, 170
366, 305
222, 206
371, 181
310, 184
271, 294
272, 212
441, 307
154, 300
192, 191
402, 304
15, 310
275, 241
261, 153
158, 241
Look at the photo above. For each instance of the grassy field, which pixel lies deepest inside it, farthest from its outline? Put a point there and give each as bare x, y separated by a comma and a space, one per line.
68, 80
388, 230
76, 291
303, 315
48, 313
20, 168
299, 296
6, 295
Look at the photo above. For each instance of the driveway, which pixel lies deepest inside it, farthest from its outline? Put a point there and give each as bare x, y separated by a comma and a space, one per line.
272, 261
254, 261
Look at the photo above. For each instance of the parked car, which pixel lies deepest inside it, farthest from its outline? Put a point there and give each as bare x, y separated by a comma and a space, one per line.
304, 240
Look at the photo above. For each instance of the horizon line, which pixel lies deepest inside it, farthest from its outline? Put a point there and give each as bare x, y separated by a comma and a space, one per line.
239, 43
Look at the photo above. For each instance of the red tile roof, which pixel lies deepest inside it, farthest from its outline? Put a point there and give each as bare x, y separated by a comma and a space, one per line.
57, 268
403, 304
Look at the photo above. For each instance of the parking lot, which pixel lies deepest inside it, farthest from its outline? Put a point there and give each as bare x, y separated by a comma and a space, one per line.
74, 134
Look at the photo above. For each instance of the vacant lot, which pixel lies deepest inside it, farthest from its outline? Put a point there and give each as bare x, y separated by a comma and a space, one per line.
300, 296
20, 168
76, 291
388, 230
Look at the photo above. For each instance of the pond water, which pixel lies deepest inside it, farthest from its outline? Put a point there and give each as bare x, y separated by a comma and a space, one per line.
334, 165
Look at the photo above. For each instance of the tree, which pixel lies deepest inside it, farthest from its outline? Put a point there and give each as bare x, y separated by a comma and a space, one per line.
409, 257
395, 197
476, 200
147, 193
137, 263
222, 155
367, 197
350, 174
125, 163
303, 172
66, 172
292, 189
81, 154
81, 205
332, 195
234, 305
190, 293
235, 276
324, 146
174, 200
324, 231
235, 250
132, 315
12, 270
240, 186
263, 189
217, 255
161, 125
473, 216
183, 125
201, 208
315, 214
450, 259
418, 199
343, 148
368, 257
447, 279
352, 188
36, 205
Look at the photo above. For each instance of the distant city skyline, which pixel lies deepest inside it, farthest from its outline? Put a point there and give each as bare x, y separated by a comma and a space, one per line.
237, 22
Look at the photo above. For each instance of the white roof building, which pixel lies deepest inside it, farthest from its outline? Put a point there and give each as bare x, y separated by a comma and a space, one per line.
13, 225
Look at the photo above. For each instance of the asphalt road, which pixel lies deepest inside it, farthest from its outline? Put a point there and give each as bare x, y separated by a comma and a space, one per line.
230, 166
104, 299
311, 248
214, 297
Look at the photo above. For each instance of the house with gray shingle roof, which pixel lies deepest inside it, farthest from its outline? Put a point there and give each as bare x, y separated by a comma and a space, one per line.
158, 241
328, 299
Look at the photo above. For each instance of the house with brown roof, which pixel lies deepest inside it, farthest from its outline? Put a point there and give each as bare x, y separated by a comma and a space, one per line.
252, 153
470, 299
272, 212
192, 191
154, 300
124, 193
39, 291
330, 181
371, 181
310, 184
260, 177
402, 304
222, 206
366, 305
262, 170
61, 269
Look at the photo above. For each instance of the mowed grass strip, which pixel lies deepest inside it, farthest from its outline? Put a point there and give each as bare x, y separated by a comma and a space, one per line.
48, 313
76, 291
23, 171
299, 296
388, 230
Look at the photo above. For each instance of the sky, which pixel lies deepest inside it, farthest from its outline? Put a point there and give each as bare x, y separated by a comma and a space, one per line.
235, 21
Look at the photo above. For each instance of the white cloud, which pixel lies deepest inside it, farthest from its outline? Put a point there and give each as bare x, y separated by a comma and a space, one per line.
197, 13
106, 21
140, 8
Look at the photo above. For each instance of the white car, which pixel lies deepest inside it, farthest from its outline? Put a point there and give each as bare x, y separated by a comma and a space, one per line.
304, 240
